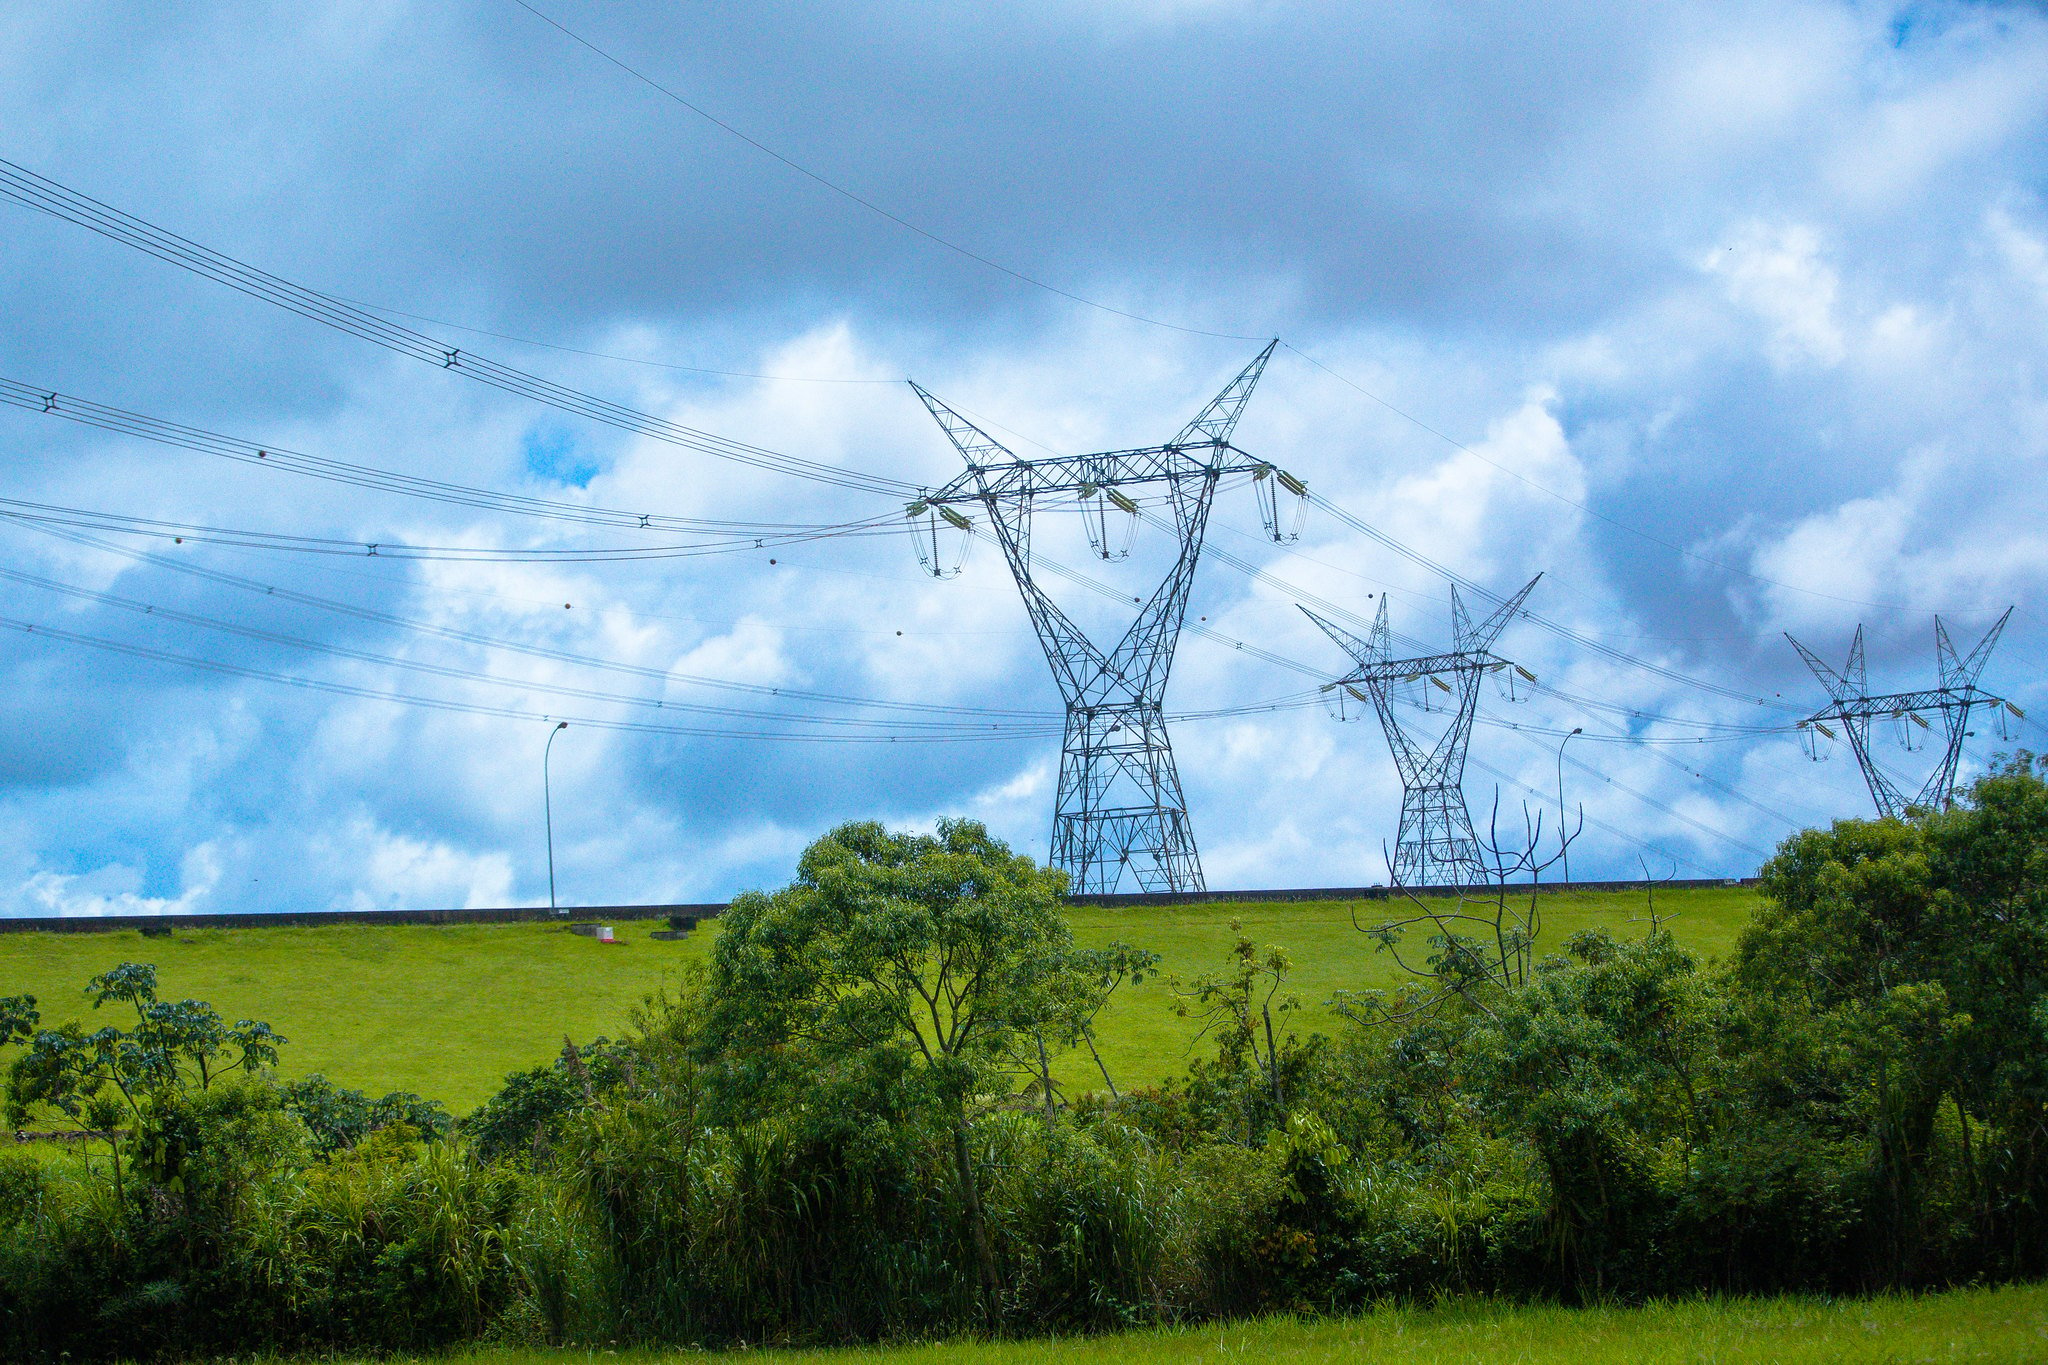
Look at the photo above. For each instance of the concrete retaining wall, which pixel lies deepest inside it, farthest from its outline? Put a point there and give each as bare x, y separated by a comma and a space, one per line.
92, 924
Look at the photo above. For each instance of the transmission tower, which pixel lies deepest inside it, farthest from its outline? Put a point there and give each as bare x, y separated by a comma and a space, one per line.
1436, 845
1853, 708
1119, 812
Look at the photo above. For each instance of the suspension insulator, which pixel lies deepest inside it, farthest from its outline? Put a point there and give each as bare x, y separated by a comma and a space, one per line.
936, 550
1107, 544
1280, 529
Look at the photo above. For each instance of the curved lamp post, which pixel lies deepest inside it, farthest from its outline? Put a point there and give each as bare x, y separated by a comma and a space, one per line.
1566, 847
548, 808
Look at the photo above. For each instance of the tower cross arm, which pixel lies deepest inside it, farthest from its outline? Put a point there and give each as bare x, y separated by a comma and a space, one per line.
1395, 670
1905, 703
1110, 469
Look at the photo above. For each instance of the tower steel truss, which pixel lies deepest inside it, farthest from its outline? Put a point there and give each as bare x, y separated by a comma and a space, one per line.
1853, 708
1436, 845
1119, 812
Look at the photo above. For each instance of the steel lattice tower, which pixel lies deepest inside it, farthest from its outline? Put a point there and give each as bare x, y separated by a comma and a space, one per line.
1436, 845
1853, 708
1119, 811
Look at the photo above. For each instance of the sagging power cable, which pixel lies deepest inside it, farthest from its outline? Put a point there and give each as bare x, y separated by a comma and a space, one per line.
267, 455
39, 192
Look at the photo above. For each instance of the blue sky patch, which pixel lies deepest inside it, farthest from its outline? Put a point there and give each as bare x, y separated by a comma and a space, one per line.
552, 454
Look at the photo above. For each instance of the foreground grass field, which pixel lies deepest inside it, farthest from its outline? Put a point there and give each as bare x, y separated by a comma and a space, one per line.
447, 1011
1969, 1325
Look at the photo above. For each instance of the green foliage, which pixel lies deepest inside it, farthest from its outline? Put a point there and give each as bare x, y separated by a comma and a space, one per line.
1600, 1067
1900, 974
1257, 1054
24, 1185
905, 966
524, 1121
338, 1118
449, 1010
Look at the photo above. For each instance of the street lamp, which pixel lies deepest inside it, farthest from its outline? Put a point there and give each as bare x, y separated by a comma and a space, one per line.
1564, 844
547, 805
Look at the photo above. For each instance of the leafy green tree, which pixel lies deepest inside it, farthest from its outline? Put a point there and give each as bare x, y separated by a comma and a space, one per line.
1601, 1063
1921, 946
107, 1078
339, 1118
525, 1120
915, 958
1097, 974
18, 1019
1244, 1008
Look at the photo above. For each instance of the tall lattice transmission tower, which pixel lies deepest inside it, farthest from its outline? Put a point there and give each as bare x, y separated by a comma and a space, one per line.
1853, 708
1436, 845
1119, 814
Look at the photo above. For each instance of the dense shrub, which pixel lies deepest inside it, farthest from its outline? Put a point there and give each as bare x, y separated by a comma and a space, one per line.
338, 1118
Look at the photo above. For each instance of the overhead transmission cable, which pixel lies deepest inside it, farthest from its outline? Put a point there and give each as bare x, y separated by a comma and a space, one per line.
17, 509
1545, 799
892, 729
1564, 632
469, 637
72, 408
481, 709
1041, 727
39, 192
875, 208
1263, 575
1037, 721
845, 193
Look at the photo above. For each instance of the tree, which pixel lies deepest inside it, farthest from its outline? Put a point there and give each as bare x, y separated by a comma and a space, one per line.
917, 957
103, 1079
18, 1019
1237, 1006
1599, 1063
1100, 971
1922, 944
1484, 939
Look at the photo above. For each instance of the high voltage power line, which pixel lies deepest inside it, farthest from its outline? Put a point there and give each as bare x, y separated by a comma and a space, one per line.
460, 636
938, 240
31, 190
16, 509
720, 537
47, 195
125, 421
960, 728
848, 729
73, 408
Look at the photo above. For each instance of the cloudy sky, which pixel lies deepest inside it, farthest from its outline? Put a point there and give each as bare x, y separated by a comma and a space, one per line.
1727, 318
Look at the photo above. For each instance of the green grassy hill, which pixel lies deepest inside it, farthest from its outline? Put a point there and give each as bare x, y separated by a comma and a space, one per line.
447, 1011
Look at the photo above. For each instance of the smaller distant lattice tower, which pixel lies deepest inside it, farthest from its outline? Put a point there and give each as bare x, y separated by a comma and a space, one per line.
1853, 708
1436, 845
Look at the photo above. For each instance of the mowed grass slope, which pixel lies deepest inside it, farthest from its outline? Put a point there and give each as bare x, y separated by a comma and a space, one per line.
447, 1011
1998, 1325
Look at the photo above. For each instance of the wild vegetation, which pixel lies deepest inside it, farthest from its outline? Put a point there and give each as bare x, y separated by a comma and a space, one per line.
846, 1125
